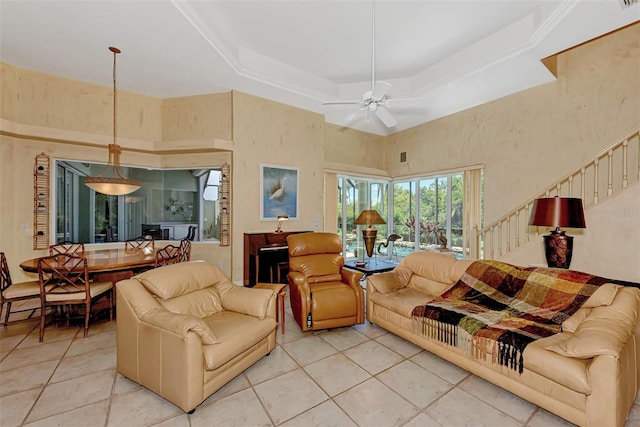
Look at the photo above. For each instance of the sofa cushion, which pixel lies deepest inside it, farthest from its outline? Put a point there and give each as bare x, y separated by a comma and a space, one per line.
604, 295
393, 280
567, 371
317, 264
428, 286
200, 303
333, 300
236, 333
180, 324
445, 269
571, 324
178, 279
402, 301
301, 244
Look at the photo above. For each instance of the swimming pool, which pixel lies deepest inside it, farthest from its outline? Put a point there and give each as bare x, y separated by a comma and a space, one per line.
401, 250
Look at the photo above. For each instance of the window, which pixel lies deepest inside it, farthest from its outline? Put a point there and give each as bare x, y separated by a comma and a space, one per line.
356, 194
425, 211
169, 202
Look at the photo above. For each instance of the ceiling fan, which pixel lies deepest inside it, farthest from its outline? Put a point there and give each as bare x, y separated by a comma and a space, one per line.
374, 100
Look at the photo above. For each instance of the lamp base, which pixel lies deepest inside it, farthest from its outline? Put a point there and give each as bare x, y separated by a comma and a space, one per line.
558, 249
369, 236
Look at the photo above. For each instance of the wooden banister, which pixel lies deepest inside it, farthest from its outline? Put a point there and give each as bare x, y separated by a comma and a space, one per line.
507, 232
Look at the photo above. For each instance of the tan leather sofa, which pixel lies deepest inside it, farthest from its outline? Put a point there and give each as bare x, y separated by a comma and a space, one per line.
323, 294
184, 330
593, 383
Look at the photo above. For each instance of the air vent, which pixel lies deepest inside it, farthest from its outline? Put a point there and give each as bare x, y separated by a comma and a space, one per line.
627, 3
403, 157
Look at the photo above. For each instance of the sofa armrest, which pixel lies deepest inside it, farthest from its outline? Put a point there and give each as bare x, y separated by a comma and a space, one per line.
351, 277
300, 281
276, 288
606, 330
249, 301
167, 362
613, 387
389, 281
299, 292
180, 324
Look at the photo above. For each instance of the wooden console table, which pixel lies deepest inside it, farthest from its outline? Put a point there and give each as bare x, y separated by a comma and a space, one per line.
262, 253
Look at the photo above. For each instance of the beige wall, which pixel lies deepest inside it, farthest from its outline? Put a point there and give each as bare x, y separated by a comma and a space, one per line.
196, 118
609, 246
73, 120
359, 150
529, 140
269, 133
526, 141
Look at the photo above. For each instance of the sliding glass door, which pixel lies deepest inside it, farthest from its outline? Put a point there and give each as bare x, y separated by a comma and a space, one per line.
356, 194
425, 213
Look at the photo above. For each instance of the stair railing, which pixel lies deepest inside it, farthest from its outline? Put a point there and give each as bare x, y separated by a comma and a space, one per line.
603, 176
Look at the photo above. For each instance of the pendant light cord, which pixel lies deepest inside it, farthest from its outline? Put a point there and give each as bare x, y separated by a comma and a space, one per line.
115, 149
115, 51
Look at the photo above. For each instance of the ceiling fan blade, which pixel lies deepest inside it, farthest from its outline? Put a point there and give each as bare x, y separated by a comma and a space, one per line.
341, 102
386, 118
351, 117
380, 90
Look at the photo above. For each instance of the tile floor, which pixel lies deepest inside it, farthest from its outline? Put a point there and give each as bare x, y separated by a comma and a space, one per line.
357, 376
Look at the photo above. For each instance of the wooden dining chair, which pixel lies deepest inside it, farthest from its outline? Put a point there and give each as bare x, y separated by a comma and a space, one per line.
139, 242
64, 282
170, 254
184, 250
11, 292
67, 247
110, 236
191, 235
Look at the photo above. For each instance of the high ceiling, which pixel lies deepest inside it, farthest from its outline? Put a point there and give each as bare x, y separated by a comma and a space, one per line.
439, 56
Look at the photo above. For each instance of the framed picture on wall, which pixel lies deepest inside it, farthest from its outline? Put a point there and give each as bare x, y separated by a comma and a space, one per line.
278, 192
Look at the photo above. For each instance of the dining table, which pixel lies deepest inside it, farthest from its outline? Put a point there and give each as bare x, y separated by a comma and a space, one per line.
107, 260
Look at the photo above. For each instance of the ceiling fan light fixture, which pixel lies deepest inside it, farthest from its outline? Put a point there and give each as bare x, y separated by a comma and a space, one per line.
115, 183
373, 100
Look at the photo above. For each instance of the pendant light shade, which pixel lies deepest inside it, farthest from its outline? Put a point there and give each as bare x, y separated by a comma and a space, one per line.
111, 180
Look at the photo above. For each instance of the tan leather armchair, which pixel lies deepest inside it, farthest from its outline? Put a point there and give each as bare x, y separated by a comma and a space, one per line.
323, 294
184, 330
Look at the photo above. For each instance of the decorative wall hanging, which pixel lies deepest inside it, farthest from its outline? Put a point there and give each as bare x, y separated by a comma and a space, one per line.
225, 205
278, 192
41, 202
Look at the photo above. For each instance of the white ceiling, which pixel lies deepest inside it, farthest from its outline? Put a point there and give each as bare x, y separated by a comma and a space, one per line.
445, 55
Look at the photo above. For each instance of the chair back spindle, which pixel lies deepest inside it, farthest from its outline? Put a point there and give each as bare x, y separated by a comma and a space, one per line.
185, 250
168, 255
139, 242
67, 247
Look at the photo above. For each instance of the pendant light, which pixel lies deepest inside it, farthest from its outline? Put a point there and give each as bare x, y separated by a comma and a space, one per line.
114, 183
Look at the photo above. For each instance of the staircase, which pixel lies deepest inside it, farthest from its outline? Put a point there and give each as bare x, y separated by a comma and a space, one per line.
610, 172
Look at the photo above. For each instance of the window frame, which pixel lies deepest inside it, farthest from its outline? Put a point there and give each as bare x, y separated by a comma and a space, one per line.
471, 212
200, 174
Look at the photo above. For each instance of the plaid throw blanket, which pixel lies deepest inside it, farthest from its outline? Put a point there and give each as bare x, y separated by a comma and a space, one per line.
500, 308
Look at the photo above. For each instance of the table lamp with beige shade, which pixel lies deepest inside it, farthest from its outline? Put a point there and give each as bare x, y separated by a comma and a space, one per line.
281, 218
368, 218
